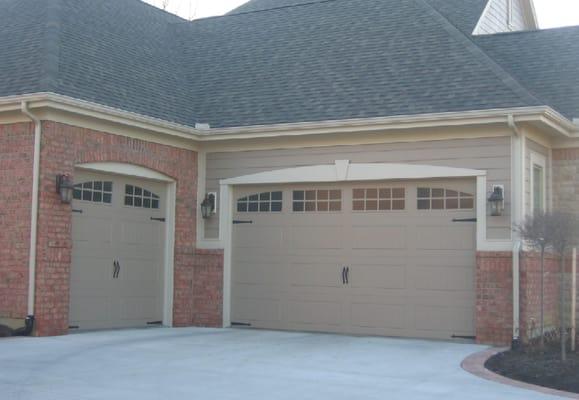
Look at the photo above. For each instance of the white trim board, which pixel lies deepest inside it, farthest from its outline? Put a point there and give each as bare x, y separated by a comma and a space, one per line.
343, 171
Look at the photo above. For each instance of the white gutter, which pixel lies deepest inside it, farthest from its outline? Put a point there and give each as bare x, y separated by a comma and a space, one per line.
86, 108
574, 300
517, 218
34, 207
516, 292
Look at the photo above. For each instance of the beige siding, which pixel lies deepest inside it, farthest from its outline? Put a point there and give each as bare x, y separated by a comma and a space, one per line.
496, 17
490, 154
534, 147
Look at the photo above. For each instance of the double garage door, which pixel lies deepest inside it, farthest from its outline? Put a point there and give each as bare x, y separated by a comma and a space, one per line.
118, 241
386, 258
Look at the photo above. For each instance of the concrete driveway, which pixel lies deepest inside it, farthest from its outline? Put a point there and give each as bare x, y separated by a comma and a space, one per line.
221, 364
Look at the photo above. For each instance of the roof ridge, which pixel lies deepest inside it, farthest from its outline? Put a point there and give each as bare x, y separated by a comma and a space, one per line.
508, 79
307, 3
51, 47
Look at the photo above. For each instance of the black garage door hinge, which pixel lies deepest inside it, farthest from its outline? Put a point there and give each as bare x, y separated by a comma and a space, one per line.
464, 220
77, 211
158, 219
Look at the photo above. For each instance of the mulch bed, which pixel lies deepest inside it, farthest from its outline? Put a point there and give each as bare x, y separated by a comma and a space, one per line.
539, 368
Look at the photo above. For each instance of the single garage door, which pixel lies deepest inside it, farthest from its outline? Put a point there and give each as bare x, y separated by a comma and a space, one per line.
379, 258
118, 243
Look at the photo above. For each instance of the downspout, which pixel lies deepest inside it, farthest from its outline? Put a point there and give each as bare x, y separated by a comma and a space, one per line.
516, 253
516, 295
33, 213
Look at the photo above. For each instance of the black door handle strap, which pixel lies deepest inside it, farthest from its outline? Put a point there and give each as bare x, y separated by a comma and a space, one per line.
347, 275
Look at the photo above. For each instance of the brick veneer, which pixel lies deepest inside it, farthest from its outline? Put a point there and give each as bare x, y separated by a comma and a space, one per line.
16, 145
494, 297
566, 183
494, 304
197, 274
531, 294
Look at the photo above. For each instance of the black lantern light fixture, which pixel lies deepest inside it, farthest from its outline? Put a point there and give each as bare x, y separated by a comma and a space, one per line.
208, 205
65, 188
497, 201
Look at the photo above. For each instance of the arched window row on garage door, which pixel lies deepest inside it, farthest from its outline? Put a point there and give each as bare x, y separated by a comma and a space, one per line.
94, 191
443, 199
261, 202
136, 196
378, 199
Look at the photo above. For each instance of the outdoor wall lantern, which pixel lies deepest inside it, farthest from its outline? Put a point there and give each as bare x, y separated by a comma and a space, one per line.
497, 201
65, 188
208, 205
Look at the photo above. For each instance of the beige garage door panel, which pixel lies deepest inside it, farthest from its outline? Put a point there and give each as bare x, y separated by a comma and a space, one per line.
105, 232
411, 271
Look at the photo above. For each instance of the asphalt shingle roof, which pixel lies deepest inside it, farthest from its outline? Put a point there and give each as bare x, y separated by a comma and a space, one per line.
546, 62
321, 60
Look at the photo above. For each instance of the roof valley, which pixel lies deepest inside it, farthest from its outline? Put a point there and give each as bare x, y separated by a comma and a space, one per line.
51, 46
481, 55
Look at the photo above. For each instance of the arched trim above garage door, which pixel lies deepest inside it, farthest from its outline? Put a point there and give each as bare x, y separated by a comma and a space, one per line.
137, 171
127, 170
344, 171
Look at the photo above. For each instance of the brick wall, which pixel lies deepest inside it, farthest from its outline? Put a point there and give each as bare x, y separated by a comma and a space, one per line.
530, 296
16, 160
566, 183
198, 274
494, 298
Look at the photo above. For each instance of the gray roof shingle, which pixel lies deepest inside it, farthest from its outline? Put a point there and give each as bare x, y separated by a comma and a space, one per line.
546, 62
321, 60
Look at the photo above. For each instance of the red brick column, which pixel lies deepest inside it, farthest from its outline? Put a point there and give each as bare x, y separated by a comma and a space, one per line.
531, 294
16, 160
65, 146
494, 298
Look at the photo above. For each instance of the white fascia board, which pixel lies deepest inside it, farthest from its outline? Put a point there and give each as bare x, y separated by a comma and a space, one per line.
475, 117
353, 172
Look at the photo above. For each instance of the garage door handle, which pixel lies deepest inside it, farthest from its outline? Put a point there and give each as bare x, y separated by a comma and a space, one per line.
343, 275
116, 269
347, 275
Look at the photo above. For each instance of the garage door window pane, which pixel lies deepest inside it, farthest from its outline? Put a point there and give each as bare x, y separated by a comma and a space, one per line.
142, 198
443, 199
322, 200
378, 199
260, 202
95, 192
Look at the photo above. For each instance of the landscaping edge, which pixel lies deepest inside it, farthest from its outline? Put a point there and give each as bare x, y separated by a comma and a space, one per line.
475, 364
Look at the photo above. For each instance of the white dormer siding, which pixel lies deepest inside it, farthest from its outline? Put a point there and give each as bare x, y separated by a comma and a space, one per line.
506, 16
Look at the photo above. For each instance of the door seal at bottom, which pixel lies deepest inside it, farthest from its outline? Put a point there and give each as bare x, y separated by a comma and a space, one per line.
155, 323
240, 324
463, 337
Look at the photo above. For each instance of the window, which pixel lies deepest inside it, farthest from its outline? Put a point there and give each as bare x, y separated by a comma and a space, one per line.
538, 192
138, 197
95, 191
378, 199
537, 189
317, 200
443, 199
261, 202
